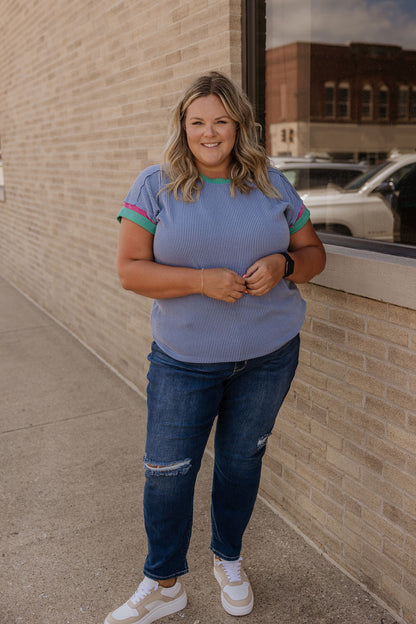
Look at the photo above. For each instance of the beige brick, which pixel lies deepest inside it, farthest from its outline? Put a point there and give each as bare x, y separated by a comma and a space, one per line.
346, 356
344, 429
332, 473
384, 526
378, 485
410, 504
410, 545
406, 400
401, 438
387, 373
296, 482
401, 479
315, 480
402, 316
327, 366
311, 509
364, 344
339, 496
368, 498
399, 517
404, 358
313, 343
386, 566
325, 401
328, 332
325, 434
312, 376
367, 307
385, 410
344, 318
328, 296
318, 310
330, 507
364, 421
400, 556
367, 383
367, 533
390, 333
365, 459
348, 393
342, 463
344, 534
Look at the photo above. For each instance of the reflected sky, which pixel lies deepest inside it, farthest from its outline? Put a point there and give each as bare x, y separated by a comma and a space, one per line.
342, 21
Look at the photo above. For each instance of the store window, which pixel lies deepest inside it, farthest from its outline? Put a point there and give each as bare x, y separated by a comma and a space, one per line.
348, 99
413, 103
343, 100
403, 104
367, 102
383, 103
329, 101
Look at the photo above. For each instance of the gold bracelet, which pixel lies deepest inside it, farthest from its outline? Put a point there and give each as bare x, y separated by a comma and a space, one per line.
202, 281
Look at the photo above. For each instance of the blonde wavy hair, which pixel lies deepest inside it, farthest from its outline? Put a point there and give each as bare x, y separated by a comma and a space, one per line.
249, 161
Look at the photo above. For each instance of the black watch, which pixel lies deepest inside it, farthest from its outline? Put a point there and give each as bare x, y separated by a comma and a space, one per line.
290, 264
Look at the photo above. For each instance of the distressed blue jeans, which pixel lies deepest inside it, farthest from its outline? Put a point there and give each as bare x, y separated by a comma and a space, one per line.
183, 401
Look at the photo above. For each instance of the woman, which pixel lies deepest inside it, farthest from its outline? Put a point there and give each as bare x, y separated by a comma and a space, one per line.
207, 237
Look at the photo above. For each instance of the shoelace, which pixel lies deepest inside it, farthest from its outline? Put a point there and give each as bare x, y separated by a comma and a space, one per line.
142, 591
232, 569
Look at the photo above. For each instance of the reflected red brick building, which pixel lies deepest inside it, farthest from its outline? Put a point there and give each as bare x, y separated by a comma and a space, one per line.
352, 101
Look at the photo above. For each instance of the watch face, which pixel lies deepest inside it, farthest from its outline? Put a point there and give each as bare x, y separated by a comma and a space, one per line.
290, 265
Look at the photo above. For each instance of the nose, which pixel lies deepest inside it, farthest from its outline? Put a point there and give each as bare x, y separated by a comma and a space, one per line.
210, 130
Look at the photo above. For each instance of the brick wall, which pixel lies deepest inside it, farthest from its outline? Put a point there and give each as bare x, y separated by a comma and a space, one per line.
342, 461
86, 88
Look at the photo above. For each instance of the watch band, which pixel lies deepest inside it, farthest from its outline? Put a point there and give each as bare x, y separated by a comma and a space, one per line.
289, 266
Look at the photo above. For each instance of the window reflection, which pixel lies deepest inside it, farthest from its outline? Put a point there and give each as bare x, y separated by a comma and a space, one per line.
332, 100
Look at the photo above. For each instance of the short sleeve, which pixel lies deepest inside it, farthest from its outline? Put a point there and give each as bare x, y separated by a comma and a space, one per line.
141, 204
297, 215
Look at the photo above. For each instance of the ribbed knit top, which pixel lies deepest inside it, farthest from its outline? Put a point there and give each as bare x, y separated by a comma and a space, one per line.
217, 230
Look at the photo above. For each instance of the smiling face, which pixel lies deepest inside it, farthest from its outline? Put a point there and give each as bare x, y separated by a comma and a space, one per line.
210, 133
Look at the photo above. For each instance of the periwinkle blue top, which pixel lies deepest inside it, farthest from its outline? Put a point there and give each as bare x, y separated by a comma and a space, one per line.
217, 230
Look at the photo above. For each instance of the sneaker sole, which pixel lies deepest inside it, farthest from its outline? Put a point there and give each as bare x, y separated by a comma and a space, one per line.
231, 609
167, 609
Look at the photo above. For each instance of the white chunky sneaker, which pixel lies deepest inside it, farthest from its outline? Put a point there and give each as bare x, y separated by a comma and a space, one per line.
236, 593
150, 602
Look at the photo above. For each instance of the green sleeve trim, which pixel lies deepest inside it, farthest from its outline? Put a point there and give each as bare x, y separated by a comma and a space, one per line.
303, 219
137, 218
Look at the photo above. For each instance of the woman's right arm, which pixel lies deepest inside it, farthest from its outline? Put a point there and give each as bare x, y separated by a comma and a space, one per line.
139, 272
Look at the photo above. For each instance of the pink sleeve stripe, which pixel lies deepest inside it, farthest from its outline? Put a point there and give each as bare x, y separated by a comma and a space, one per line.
136, 209
302, 210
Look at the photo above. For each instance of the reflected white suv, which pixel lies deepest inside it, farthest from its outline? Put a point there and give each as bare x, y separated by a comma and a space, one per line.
311, 173
362, 208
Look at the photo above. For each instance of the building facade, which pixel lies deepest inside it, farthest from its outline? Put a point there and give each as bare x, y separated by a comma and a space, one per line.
355, 101
84, 107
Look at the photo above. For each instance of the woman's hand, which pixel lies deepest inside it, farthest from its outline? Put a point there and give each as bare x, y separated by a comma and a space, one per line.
222, 284
264, 274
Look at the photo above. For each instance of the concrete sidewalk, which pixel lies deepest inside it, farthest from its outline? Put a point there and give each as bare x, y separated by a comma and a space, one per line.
72, 438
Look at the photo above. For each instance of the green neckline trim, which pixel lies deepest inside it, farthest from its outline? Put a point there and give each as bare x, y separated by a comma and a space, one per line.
214, 180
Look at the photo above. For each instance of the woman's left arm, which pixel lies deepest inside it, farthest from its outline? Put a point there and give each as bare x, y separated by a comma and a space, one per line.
308, 254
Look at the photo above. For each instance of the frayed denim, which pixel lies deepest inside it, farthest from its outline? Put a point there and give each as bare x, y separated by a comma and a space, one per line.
183, 401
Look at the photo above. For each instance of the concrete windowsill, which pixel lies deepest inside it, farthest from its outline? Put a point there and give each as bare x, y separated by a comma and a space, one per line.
378, 276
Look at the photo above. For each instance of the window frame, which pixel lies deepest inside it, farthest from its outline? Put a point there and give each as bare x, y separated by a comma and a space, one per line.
253, 63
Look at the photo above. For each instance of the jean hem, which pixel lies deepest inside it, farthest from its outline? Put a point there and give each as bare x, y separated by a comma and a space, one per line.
224, 557
155, 577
